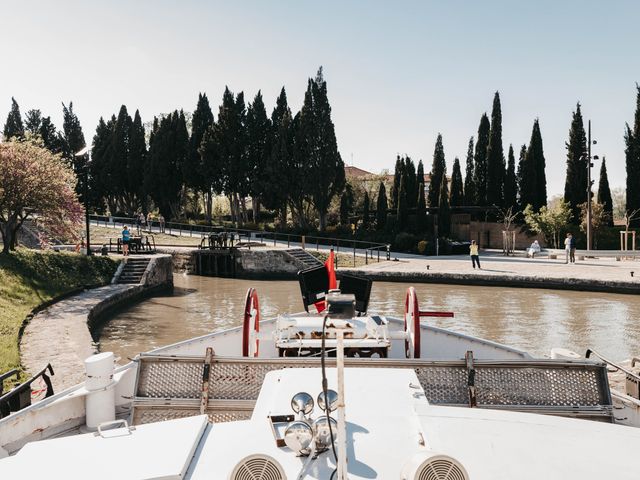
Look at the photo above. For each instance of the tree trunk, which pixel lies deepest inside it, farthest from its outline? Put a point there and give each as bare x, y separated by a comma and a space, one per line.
243, 209
255, 204
323, 220
209, 205
283, 216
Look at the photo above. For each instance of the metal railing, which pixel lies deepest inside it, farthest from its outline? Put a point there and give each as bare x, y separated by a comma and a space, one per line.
245, 237
20, 396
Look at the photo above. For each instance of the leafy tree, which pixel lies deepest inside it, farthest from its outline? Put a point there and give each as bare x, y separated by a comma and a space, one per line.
604, 194
277, 170
194, 177
346, 205
33, 181
444, 212
381, 207
550, 222
469, 183
480, 160
366, 207
600, 219
510, 183
495, 157
632, 161
118, 185
99, 166
258, 150
438, 169
421, 209
325, 165
575, 189
402, 211
456, 197
13, 127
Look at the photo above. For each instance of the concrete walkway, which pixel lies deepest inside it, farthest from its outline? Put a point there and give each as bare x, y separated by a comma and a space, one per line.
60, 334
605, 274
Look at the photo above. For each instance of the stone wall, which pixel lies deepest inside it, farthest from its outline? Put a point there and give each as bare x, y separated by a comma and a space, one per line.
489, 234
266, 264
159, 272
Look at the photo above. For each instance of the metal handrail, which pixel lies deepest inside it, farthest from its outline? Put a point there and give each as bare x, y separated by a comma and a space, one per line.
190, 229
13, 398
614, 365
6, 375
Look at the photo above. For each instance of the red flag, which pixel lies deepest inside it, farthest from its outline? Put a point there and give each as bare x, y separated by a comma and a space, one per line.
333, 283
330, 266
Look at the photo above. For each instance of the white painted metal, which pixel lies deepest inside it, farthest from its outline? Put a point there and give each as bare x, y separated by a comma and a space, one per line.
564, 354
342, 421
100, 399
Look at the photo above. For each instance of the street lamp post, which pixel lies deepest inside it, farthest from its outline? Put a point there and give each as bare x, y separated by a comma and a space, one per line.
86, 151
589, 184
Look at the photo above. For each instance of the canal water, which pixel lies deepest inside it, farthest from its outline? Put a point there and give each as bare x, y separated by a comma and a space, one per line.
531, 319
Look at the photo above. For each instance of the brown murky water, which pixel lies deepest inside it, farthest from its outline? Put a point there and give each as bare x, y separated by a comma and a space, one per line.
533, 320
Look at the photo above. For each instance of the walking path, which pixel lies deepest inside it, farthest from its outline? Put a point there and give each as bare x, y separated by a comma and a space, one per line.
591, 274
60, 335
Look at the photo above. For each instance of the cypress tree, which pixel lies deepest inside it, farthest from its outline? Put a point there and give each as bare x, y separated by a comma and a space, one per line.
604, 193
438, 169
33, 122
510, 183
495, 157
421, 209
97, 168
381, 207
522, 178
412, 183
201, 121
13, 127
402, 211
469, 183
49, 135
395, 188
277, 171
366, 207
420, 173
118, 186
456, 197
326, 167
480, 160
72, 142
575, 189
444, 213
539, 165
258, 150
632, 161
346, 205
136, 163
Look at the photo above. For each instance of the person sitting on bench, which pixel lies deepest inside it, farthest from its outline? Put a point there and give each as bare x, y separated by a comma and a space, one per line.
533, 249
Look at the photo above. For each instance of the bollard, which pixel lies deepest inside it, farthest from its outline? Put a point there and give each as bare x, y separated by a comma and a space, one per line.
100, 401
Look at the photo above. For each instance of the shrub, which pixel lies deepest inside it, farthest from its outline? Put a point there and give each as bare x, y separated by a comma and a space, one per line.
405, 242
422, 247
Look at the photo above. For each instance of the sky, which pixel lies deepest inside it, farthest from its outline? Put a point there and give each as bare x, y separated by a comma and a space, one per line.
398, 73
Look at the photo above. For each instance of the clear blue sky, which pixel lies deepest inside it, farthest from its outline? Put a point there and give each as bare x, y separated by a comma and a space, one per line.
398, 72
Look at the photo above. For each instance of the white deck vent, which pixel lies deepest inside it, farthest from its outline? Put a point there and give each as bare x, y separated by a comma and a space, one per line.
433, 466
258, 467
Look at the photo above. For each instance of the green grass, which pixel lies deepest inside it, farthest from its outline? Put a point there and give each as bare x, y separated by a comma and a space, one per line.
29, 278
345, 260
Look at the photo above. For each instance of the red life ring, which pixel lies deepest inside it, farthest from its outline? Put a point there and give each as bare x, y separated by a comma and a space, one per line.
251, 325
412, 324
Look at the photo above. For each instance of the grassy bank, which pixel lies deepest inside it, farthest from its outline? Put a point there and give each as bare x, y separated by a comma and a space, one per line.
29, 278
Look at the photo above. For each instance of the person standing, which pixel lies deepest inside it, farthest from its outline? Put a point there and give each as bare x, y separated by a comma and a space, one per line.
161, 222
126, 238
572, 249
149, 221
567, 247
473, 251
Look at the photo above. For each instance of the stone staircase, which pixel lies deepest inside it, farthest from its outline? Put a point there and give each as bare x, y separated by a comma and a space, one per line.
133, 270
304, 258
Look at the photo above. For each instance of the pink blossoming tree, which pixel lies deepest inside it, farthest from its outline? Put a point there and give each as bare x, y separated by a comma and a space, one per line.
34, 183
